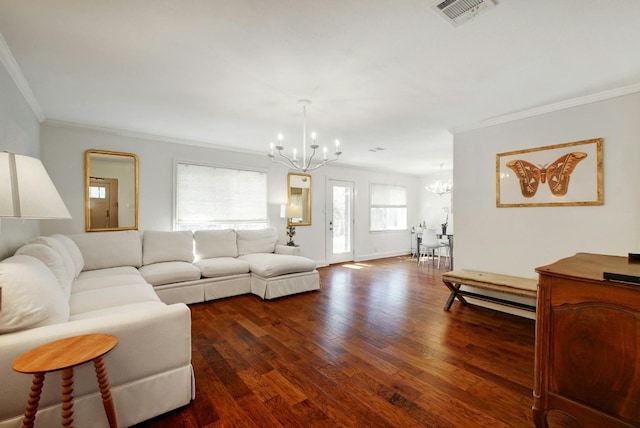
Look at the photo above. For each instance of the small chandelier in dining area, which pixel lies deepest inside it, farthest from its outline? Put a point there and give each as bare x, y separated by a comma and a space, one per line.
440, 186
302, 163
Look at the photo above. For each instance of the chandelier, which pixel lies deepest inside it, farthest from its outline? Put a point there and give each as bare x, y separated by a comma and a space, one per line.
439, 186
303, 164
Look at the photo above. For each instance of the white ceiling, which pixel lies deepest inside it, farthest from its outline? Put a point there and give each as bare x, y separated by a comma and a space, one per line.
380, 73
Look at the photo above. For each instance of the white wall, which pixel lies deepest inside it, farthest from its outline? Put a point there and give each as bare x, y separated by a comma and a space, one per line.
517, 240
63, 150
19, 133
367, 245
433, 208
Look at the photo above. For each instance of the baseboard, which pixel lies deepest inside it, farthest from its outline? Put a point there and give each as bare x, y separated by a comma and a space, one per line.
373, 256
365, 257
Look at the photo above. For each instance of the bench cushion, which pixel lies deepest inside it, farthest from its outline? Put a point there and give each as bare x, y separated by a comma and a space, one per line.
493, 281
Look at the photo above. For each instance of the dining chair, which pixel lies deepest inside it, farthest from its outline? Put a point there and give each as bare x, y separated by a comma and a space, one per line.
428, 246
445, 244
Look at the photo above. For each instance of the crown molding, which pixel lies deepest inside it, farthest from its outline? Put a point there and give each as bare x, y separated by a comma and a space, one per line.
536, 111
145, 136
9, 62
204, 144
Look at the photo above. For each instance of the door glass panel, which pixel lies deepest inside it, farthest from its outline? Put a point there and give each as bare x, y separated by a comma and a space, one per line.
340, 210
341, 219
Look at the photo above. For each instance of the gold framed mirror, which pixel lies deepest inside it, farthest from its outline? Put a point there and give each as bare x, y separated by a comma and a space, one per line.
299, 195
110, 190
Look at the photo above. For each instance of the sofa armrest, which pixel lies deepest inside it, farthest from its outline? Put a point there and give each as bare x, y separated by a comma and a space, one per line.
150, 341
287, 250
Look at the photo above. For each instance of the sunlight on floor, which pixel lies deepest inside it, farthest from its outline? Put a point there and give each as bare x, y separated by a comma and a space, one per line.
356, 265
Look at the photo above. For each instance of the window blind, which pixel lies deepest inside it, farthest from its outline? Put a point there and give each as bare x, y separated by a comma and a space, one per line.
388, 207
210, 197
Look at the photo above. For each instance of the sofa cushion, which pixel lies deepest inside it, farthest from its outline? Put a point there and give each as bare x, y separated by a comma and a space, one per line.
126, 309
103, 298
109, 249
169, 272
221, 266
107, 272
215, 243
73, 250
81, 284
31, 295
53, 260
257, 241
270, 265
60, 249
161, 246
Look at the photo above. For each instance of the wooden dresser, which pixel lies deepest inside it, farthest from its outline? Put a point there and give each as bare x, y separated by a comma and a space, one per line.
587, 356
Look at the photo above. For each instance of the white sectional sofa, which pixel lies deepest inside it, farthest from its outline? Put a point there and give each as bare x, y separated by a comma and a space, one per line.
46, 296
211, 264
136, 289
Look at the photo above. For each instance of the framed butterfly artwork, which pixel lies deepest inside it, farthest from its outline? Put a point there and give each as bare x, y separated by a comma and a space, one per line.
567, 174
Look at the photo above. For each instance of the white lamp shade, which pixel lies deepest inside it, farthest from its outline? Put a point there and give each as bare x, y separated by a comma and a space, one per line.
294, 211
26, 191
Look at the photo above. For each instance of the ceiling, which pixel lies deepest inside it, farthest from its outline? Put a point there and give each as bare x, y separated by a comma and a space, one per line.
388, 74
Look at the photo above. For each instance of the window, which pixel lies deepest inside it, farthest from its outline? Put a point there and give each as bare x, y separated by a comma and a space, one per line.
209, 197
388, 208
96, 192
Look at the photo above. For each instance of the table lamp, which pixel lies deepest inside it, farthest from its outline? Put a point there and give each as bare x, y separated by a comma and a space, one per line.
292, 211
26, 190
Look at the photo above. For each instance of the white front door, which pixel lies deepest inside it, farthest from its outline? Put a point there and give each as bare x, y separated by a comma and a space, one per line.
340, 218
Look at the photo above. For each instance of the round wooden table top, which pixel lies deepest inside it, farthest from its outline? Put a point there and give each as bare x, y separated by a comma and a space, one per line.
64, 353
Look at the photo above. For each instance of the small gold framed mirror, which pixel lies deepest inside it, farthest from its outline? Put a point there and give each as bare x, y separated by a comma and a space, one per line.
299, 196
111, 190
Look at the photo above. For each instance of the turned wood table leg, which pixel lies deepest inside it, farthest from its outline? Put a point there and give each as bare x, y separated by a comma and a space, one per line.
34, 400
67, 397
64, 355
107, 399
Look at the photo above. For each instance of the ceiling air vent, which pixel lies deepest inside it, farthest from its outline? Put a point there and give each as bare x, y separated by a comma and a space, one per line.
457, 12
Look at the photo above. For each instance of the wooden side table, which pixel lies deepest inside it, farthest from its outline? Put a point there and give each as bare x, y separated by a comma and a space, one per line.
64, 355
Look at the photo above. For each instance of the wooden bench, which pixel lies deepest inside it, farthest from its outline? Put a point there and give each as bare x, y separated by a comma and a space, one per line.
513, 285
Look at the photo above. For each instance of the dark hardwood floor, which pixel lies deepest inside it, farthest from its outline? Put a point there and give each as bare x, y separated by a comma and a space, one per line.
372, 348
